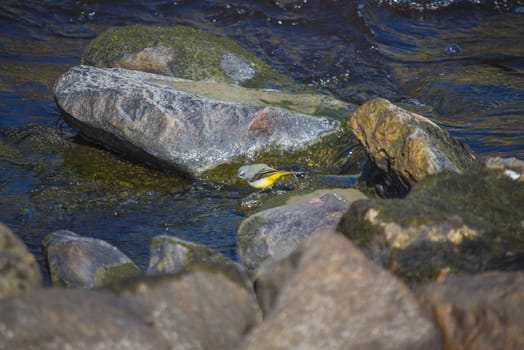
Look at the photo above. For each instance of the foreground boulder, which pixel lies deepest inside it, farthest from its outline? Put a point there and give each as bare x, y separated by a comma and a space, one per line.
189, 126
470, 223
19, 271
205, 308
327, 295
182, 52
275, 232
170, 255
76, 319
84, 262
404, 146
208, 307
479, 312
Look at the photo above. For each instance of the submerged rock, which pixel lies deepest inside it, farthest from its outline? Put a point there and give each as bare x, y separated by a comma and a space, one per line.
182, 52
275, 232
479, 312
327, 295
56, 318
189, 126
19, 271
449, 222
170, 254
83, 262
207, 307
404, 146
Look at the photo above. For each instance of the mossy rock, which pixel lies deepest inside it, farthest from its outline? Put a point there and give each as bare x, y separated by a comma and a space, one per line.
449, 222
182, 52
326, 156
170, 254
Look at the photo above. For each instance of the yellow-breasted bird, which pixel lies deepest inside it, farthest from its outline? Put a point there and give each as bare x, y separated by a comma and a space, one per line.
261, 176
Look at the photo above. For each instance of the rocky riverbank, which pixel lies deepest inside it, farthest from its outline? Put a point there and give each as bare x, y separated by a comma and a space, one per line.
430, 257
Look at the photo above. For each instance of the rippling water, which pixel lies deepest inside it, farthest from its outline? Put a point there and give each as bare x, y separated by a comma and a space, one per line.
460, 63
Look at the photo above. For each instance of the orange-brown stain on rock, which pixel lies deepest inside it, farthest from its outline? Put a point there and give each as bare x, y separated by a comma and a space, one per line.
263, 123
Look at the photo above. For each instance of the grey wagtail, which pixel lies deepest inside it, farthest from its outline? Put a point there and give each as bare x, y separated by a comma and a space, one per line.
261, 176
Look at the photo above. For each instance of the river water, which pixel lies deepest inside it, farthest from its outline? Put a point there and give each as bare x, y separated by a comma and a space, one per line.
460, 63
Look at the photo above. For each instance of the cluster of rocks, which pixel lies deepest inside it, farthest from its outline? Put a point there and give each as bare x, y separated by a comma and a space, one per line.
439, 266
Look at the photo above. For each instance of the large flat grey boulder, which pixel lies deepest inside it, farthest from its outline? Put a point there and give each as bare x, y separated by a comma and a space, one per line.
186, 125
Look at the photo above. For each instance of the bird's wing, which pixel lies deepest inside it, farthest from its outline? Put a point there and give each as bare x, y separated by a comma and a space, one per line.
264, 173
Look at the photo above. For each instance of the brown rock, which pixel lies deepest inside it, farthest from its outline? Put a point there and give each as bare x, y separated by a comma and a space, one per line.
19, 271
207, 308
327, 295
405, 143
75, 319
479, 312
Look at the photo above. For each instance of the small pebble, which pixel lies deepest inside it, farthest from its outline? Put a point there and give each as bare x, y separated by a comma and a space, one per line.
512, 174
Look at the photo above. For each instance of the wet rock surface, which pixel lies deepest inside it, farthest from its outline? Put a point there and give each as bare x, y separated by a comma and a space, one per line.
470, 222
328, 295
155, 119
483, 311
275, 232
84, 262
19, 271
405, 146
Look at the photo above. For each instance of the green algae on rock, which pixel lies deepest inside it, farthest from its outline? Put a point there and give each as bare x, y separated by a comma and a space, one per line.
327, 154
466, 222
181, 52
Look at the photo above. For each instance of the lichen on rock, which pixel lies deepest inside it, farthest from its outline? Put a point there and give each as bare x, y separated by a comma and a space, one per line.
406, 147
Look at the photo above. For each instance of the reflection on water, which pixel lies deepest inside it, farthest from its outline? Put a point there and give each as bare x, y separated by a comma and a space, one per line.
477, 91
461, 65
